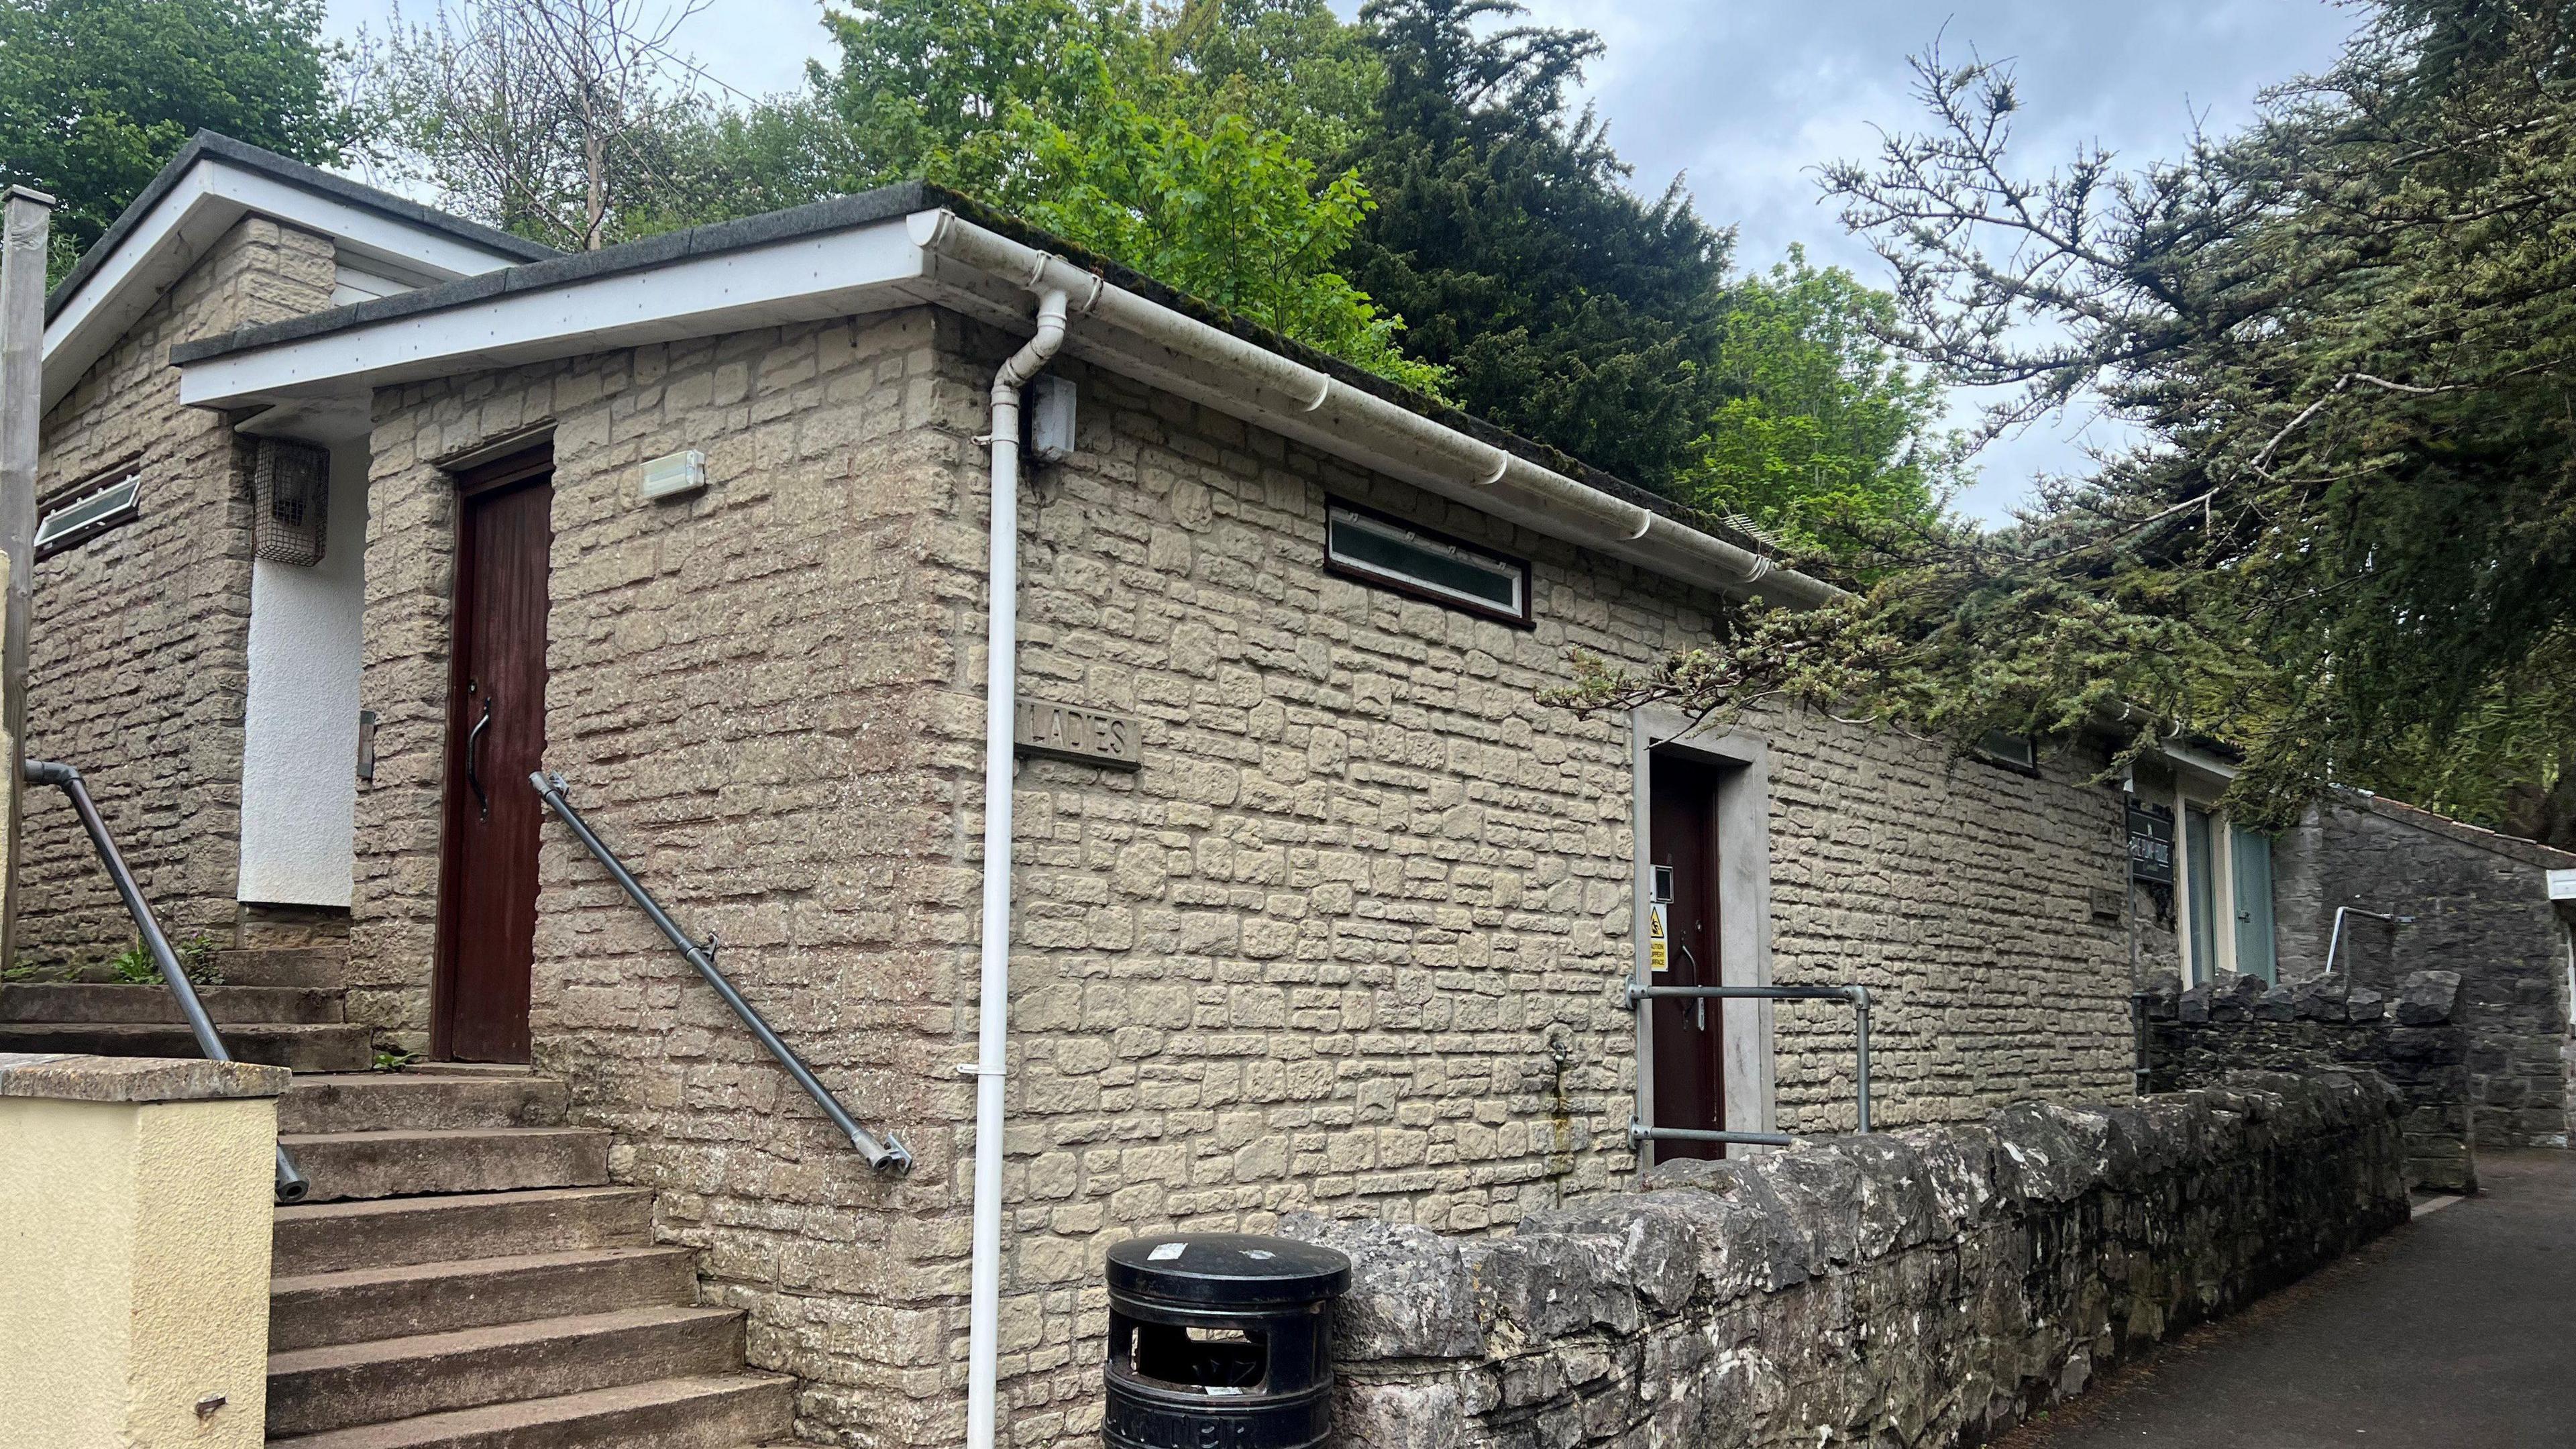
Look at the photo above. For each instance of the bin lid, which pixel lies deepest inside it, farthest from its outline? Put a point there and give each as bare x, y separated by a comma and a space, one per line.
1226, 1270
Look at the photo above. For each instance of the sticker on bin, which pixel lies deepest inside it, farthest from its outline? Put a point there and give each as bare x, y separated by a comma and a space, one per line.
1166, 1252
1222, 1391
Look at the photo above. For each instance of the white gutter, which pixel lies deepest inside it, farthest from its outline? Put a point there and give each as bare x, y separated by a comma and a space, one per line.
1490, 474
993, 990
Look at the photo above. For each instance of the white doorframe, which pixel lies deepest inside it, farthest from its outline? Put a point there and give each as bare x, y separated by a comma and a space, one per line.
1743, 913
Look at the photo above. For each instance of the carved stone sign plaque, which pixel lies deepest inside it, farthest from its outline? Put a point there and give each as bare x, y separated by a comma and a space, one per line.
1084, 736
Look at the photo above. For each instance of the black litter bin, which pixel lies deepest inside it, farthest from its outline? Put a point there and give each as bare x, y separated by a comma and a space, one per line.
1221, 1341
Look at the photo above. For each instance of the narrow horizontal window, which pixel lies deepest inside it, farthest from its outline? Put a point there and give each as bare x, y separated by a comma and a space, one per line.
87, 517
1419, 562
2002, 747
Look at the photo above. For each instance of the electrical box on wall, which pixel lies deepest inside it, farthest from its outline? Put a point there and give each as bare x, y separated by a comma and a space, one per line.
672, 475
1051, 419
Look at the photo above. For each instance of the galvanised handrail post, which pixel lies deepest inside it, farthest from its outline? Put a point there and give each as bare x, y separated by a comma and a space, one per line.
1857, 995
292, 1185
889, 1156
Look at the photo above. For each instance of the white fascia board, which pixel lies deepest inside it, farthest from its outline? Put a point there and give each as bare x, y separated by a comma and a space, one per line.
191, 218
805, 279
2207, 769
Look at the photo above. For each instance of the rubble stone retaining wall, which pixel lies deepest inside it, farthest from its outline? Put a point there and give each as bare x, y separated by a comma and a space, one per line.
2419, 1041
2469, 901
1919, 1288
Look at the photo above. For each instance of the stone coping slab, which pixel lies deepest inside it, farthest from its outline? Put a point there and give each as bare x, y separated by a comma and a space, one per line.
72, 1077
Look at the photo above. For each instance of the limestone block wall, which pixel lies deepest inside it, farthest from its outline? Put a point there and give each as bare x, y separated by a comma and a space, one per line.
752, 694
1352, 938
1923, 1289
138, 645
2475, 903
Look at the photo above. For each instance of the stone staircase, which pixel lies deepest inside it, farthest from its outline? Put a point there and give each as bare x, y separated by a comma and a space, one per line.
277, 1007
462, 1274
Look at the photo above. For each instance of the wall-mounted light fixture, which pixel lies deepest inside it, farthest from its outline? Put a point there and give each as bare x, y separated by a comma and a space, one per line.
672, 475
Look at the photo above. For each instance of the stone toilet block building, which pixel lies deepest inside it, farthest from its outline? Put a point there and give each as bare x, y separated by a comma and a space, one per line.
1313, 907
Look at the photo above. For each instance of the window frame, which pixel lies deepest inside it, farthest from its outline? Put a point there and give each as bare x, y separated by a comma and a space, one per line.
1396, 583
2215, 865
1984, 752
125, 476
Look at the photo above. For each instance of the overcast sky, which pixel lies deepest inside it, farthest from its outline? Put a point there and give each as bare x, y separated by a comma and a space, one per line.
1743, 97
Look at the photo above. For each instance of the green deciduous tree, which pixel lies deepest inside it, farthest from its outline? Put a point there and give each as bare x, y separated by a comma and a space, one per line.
918, 79
1825, 435
1213, 207
96, 94
1181, 142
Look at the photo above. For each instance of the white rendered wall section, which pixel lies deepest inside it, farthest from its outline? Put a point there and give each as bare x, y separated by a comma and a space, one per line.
300, 731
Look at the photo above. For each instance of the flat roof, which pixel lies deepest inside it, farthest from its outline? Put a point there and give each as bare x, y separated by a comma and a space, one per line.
888, 203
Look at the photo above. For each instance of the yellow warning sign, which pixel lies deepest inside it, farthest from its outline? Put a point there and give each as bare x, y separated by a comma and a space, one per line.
1658, 940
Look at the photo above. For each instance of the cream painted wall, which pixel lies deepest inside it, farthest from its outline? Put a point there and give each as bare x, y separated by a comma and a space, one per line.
300, 730
134, 1272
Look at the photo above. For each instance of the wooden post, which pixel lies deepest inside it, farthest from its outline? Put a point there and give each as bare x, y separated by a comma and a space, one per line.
25, 220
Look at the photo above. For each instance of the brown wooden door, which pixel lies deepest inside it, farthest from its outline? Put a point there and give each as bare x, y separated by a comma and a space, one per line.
496, 735
1689, 1036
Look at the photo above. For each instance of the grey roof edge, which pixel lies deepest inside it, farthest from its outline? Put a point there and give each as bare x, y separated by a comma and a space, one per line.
296, 173
2433, 822
559, 268
902, 198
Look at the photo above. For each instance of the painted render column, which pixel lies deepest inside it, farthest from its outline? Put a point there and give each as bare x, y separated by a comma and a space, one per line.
134, 1271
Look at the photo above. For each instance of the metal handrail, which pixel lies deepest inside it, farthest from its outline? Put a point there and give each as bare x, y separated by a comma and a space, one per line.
1857, 995
292, 1185
2335, 940
889, 1156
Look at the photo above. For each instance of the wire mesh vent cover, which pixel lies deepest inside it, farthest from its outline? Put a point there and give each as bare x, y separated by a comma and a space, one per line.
290, 501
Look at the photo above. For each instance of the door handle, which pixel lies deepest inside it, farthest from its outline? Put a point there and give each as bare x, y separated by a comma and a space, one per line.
1699, 1004
473, 757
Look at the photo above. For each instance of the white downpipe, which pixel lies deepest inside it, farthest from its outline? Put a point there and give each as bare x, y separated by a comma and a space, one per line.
993, 988
1585, 514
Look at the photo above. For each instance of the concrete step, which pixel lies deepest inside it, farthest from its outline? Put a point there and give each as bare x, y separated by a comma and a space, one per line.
377, 1101
67, 1001
321, 1048
317, 1389
330, 1237
410, 1163
708, 1411
356, 1305
282, 965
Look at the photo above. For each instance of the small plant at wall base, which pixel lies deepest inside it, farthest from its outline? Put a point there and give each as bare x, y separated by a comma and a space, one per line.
393, 1061
196, 959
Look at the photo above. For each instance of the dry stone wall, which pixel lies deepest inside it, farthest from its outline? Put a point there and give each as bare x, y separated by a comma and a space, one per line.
2414, 1036
138, 649
1919, 1289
